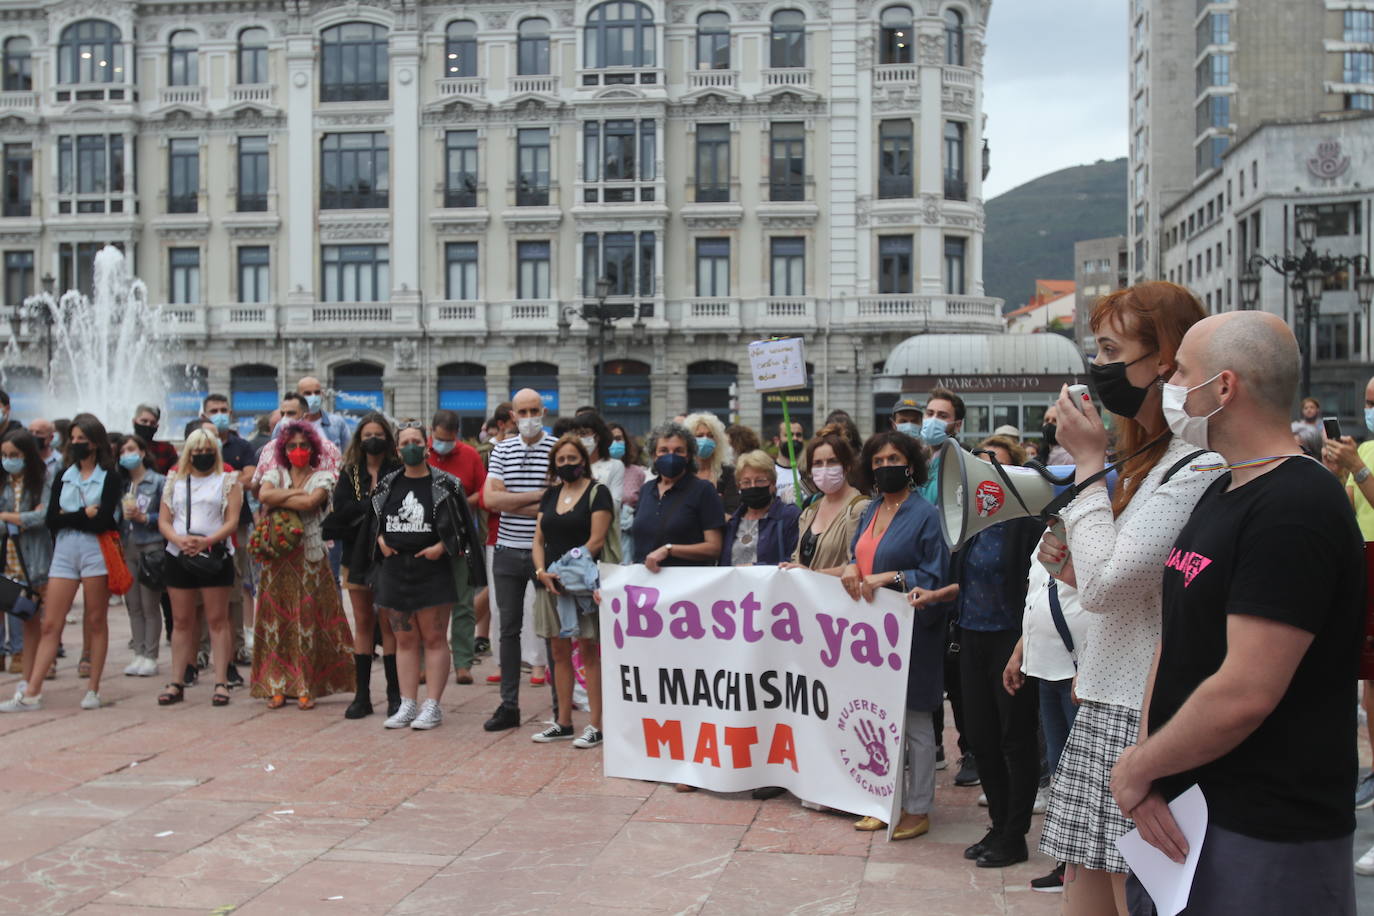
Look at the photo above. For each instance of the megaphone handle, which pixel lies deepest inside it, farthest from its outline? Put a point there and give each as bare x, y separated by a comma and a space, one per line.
1059, 531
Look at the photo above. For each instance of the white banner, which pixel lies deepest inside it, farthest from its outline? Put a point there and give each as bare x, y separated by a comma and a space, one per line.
732, 678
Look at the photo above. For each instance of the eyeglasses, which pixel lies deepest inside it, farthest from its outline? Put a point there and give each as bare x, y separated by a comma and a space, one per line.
410, 424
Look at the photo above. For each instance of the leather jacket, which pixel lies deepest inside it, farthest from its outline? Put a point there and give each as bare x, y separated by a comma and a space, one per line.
453, 522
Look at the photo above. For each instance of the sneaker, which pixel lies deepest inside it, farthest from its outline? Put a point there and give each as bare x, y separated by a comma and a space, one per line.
148, 668
191, 676
134, 666
233, 678
554, 732
940, 761
1042, 801
22, 704
590, 738
241, 657
481, 646
982, 799
91, 700
968, 772
1364, 865
1053, 883
1364, 793
404, 716
505, 717
202, 661
430, 716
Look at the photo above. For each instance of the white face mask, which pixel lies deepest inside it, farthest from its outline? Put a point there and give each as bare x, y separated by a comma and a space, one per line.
530, 427
1192, 430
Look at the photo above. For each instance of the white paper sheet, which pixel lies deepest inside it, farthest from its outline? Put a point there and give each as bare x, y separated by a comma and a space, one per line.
1167, 882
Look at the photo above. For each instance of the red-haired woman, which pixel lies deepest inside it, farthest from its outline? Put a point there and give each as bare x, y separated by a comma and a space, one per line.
1117, 546
302, 647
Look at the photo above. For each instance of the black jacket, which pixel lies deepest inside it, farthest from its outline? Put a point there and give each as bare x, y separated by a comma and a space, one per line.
110, 494
452, 520
347, 518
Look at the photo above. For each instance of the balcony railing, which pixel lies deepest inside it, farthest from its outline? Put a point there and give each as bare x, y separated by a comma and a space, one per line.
958, 76
712, 79
469, 86
531, 193
331, 199
183, 203
94, 92
251, 203
799, 77
351, 314
251, 92
619, 192
889, 74
462, 196
956, 188
19, 100
545, 84
22, 206
181, 95
623, 76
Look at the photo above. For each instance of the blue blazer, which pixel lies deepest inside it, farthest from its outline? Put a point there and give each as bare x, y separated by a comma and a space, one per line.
913, 545
777, 534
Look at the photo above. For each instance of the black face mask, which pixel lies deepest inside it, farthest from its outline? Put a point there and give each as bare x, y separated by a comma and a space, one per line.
146, 431
79, 451
892, 478
568, 472
1115, 390
203, 461
374, 445
1047, 432
755, 497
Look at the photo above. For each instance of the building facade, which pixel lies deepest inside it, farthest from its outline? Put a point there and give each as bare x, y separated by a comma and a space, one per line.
415, 201
1205, 74
1100, 266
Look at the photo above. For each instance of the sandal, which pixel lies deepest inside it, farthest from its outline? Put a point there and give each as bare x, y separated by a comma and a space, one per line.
220, 699
83, 667
305, 701
277, 701
175, 694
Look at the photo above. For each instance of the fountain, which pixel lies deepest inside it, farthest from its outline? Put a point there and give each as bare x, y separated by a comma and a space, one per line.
107, 351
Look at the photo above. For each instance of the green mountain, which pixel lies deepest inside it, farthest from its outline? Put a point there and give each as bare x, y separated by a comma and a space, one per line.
1031, 228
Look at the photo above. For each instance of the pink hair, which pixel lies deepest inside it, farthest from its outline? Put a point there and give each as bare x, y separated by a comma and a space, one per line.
312, 438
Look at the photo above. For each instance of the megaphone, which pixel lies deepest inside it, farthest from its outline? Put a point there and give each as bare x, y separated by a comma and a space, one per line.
976, 494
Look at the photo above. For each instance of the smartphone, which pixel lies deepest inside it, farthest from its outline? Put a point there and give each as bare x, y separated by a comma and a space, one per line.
1333, 428
1076, 394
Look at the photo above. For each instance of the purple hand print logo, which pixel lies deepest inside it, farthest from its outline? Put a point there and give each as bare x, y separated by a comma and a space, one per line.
871, 739
875, 744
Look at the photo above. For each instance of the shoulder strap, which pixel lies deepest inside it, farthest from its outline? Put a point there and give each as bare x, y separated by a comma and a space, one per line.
1060, 624
1178, 465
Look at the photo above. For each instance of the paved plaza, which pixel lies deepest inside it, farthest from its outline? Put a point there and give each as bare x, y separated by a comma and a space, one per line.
135, 809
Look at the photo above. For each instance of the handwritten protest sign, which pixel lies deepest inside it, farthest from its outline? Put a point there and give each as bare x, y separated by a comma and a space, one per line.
732, 678
778, 364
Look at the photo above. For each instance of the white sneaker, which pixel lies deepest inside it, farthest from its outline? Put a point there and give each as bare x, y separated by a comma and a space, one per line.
982, 799
404, 716
22, 689
430, 716
22, 704
134, 667
91, 700
148, 668
590, 737
1042, 800
1364, 865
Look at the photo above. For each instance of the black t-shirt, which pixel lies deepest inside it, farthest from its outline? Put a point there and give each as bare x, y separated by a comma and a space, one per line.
408, 516
686, 512
564, 532
1283, 547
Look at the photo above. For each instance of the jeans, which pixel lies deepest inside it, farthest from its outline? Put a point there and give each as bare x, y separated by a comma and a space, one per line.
1057, 712
1001, 729
142, 603
463, 623
513, 572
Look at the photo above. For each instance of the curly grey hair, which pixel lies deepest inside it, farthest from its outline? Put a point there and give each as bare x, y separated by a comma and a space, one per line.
671, 430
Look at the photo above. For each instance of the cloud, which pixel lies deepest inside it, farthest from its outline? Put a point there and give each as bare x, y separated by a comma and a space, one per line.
1055, 87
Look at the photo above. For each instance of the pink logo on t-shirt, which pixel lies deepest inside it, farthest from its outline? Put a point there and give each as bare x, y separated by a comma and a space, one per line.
1190, 564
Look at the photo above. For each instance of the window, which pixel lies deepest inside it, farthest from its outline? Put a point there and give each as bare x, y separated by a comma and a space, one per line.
532, 47
353, 62
955, 248
183, 175
18, 179
1214, 71
461, 261
713, 41
18, 276
898, 31
356, 273
894, 158
1338, 337
954, 38
609, 151
713, 267
788, 267
787, 161
1359, 25
1359, 67
182, 69
18, 64
1214, 29
1335, 219
460, 175
76, 265
532, 155
1359, 101
252, 187
1209, 153
627, 262
619, 34
894, 264
253, 55
185, 276
787, 42
1215, 111
532, 262
354, 171
253, 274
90, 52
460, 48
90, 164
956, 182
713, 162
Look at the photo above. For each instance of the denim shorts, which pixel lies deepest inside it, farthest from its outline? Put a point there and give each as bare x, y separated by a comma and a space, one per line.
76, 555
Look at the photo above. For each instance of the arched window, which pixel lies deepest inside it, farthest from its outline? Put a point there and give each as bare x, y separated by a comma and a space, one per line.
897, 35
624, 392
713, 41
708, 387
463, 390
460, 48
358, 390
542, 377
253, 55
956, 179
619, 34
90, 52
954, 38
533, 47
787, 45
182, 69
353, 63
18, 64
252, 393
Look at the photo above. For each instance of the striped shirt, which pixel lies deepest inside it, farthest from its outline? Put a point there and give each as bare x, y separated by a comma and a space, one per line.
522, 468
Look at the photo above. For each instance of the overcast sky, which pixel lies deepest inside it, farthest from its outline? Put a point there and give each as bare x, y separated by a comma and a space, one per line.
1055, 87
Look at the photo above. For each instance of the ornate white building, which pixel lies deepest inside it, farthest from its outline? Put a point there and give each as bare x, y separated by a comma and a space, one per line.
414, 201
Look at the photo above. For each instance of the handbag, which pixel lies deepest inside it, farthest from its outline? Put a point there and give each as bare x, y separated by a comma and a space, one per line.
152, 569
207, 564
335, 528
276, 533
118, 577
16, 598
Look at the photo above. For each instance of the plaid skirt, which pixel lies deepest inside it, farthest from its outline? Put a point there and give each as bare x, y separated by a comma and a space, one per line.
1083, 822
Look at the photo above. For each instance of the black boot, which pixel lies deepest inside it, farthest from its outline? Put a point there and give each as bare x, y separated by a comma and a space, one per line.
362, 700
393, 685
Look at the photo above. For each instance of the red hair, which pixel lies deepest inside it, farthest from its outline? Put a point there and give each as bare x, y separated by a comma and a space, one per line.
312, 438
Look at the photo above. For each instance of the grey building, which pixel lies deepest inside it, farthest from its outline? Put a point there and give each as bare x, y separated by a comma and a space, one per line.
1100, 266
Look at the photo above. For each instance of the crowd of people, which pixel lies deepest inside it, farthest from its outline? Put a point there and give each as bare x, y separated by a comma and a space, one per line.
1180, 628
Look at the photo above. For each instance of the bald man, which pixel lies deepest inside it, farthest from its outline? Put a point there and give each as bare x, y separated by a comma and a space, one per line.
42, 431
331, 426
517, 475
1249, 695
